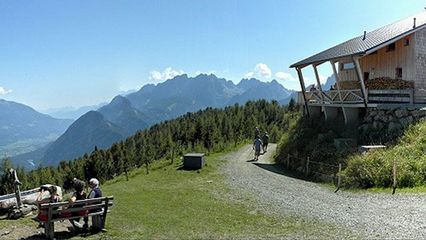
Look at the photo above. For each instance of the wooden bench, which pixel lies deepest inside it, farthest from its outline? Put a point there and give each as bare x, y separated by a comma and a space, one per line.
64, 211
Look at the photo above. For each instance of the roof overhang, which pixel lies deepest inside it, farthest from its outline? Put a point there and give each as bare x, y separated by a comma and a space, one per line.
395, 39
305, 62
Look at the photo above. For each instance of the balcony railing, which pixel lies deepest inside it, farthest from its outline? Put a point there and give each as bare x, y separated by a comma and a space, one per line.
354, 96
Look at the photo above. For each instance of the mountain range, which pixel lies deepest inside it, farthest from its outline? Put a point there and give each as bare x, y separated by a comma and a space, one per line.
71, 112
125, 115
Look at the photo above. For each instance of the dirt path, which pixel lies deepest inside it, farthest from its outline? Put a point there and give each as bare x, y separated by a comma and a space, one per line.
368, 215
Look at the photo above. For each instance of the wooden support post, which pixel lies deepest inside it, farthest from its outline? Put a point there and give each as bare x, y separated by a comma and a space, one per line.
318, 83
307, 167
339, 177
338, 88
394, 176
361, 80
302, 85
337, 80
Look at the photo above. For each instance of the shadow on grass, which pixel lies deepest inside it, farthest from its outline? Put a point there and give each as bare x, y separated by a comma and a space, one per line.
182, 168
62, 235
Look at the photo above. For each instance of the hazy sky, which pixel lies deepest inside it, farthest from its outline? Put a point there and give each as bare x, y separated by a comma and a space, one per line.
75, 53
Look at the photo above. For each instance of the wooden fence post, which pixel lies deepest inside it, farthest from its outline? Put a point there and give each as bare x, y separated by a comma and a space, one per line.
394, 176
307, 167
339, 177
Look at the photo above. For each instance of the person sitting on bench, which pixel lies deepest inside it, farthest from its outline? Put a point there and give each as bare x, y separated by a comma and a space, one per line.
97, 222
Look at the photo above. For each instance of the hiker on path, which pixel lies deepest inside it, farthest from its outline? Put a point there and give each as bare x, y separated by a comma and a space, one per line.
256, 132
257, 144
265, 140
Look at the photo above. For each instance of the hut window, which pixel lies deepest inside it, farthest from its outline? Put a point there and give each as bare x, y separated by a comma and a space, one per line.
398, 73
348, 66
407, 42
391, 47
366, 76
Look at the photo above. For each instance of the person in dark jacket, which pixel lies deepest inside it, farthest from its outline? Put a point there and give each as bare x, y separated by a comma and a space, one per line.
79, 194
265, 141
95, 192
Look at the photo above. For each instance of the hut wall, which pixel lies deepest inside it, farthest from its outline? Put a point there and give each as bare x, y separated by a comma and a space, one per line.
383, 63
420, 66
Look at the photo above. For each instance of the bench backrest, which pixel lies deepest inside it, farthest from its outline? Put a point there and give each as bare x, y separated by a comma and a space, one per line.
80, 205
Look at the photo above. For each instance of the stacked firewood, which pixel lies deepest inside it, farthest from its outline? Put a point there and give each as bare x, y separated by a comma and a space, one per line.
378, 83
349, 85
388, 83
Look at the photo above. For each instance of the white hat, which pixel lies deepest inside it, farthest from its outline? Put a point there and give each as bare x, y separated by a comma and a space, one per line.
94, 182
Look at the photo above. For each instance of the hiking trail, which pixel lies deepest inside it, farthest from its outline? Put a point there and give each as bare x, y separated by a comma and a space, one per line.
369, 215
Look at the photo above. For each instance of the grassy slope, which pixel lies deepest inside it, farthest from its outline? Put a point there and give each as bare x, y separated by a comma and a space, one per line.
375, 168
176, 204
169, 203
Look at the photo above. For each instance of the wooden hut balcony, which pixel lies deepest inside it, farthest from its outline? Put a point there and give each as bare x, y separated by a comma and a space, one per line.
355, 97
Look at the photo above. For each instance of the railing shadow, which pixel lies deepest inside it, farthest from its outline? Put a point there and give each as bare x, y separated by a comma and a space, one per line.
279, 169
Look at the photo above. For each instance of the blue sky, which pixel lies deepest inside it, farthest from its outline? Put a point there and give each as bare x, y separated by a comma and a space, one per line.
76, 53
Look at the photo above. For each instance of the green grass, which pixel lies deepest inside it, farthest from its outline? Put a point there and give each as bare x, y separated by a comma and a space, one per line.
22, 222
374, 169
176, 204
169, 203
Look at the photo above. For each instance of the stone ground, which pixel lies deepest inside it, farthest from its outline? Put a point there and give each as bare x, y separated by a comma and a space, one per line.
367, 215
29, 230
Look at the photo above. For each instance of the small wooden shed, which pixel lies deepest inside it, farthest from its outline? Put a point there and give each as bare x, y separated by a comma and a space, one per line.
193, 160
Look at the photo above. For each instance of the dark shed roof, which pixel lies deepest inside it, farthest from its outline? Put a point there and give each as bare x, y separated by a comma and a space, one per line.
358, 46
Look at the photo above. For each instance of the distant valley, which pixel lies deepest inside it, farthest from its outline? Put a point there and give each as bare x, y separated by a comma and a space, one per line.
23, 129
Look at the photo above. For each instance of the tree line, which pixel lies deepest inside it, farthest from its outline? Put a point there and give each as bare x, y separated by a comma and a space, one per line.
208, 130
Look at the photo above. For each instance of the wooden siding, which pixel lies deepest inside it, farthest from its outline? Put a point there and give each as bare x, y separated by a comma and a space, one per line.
384, 63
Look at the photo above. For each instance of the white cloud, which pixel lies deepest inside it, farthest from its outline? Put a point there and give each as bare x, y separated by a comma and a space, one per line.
4, 91
263, 70
249, 75
285, 76
168, 73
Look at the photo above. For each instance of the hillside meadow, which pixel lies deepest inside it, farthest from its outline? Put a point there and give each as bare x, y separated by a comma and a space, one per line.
171, 203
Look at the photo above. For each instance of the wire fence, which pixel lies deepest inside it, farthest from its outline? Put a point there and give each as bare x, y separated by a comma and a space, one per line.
306, 167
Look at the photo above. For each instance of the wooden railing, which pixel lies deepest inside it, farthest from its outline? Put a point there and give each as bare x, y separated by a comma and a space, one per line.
354, 96
391, 96
332, 96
